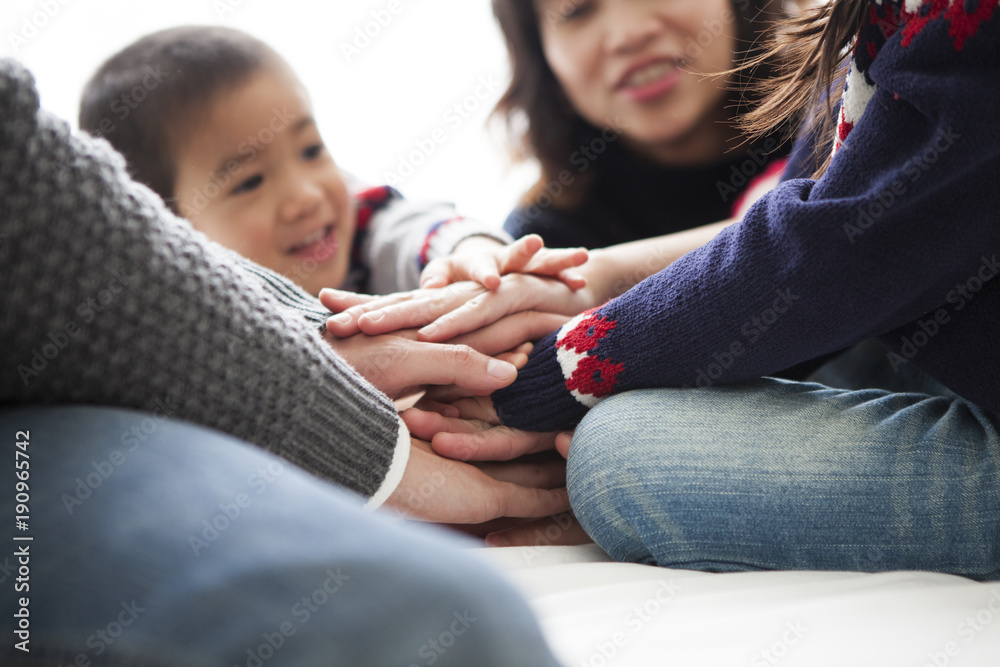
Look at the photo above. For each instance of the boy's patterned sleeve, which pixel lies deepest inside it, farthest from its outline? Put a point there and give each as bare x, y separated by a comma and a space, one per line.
398, 238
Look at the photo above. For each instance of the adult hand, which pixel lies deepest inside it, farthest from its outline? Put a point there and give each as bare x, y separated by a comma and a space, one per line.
476, 433
399, 365
442, 490
453, 310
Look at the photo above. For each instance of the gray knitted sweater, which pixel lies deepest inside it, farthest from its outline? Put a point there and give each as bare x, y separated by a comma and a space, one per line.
109, 299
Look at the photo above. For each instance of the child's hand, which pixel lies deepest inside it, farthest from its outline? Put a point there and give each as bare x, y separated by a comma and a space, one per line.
484, 260
454, 310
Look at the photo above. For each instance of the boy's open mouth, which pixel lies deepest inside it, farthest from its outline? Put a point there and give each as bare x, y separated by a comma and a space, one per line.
320, 246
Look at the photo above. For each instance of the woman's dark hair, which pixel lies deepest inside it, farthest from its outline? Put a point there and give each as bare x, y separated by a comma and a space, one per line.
145, 96
814, 48
540, 120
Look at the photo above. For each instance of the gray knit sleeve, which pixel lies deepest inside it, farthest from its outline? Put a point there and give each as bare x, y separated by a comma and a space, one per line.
109, 299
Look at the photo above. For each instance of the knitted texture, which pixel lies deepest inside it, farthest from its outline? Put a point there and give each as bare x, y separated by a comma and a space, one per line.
109, 299
898, 240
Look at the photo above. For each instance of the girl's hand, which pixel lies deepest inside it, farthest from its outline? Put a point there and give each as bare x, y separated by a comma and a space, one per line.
453, 310
484, 260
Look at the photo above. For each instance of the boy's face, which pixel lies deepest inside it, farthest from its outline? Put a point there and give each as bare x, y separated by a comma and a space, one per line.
255, 176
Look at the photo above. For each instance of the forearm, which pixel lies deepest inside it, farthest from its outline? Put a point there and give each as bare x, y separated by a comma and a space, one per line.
111, 300
614, 270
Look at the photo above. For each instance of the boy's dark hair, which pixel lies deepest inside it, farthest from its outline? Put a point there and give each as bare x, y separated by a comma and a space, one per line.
144, 97
542, 123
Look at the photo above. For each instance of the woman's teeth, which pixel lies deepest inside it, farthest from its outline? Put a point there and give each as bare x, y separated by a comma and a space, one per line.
648, 75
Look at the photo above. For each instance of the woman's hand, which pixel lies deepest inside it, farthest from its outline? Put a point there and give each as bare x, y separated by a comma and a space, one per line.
399, 365
475, 434
447, 312
484, 260
442, 490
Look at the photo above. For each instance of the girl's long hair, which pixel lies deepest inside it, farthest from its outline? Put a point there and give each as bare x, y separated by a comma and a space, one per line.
813, 47
541, 122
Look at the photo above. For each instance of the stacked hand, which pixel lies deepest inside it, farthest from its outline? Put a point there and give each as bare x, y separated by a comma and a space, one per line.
467, 339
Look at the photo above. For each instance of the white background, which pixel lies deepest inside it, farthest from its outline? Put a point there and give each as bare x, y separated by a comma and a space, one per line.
371, 107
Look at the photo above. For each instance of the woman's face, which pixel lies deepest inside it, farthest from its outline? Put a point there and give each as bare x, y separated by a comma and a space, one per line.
638, 66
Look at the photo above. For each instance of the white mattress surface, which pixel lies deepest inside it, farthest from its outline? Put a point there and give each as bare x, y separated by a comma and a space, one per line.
598, 613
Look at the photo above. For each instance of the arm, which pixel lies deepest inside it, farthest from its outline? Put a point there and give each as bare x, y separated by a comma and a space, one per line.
142, 312
814, 266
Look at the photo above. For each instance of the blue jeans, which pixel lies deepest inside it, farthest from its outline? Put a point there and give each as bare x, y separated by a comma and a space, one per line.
779, 475
161, 543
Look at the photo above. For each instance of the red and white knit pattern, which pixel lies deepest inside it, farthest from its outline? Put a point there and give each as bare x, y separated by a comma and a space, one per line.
588, 378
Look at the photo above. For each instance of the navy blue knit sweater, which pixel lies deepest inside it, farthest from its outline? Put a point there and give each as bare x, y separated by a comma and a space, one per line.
898, 240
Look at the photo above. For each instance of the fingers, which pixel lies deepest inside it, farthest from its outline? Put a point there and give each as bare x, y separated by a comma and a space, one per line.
496, 444
517, 255
336, 300
562, 443
425, 424
572, 279
527, 325
543, 474
551, 261
483, 269
455, 365
346, 322
437, 273
517, 292
416, 310
513, 500
561, 529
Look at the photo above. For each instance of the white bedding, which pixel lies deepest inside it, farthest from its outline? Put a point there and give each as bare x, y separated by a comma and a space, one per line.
597, 613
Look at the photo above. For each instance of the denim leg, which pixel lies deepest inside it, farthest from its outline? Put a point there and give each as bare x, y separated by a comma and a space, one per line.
162, 543
785, 475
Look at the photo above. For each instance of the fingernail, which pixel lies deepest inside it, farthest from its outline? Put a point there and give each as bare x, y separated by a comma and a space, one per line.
342, 318
429, 330
374, 316
327, 290
500, 369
